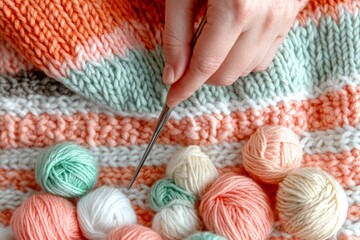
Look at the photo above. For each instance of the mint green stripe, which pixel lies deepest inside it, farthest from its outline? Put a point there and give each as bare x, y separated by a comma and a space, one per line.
308, 57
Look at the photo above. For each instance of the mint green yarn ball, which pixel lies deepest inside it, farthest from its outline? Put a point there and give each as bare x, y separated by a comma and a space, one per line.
164, 191
205, 236
67, 170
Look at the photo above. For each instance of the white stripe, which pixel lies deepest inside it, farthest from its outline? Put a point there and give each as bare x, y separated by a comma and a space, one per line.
223, 154
38, 104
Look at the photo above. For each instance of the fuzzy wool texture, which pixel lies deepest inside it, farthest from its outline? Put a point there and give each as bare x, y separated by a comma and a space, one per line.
133, 232
104, 210
237, 208
67, 170
45, 216
271, 152
311, 204
205, 236
90, 72
164, 191
177, 221
192, 170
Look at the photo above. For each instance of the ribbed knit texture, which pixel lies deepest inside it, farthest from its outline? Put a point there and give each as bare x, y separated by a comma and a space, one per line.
89, 71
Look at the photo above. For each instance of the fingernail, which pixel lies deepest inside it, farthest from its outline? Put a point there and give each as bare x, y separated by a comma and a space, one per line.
168, 74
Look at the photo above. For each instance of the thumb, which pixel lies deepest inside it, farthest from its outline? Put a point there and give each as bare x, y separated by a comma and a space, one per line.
178, 32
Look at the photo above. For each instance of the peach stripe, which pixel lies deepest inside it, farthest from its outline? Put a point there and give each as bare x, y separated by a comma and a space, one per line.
10, 61
92, 29
316, 10
345, 167
112, 176
337, 108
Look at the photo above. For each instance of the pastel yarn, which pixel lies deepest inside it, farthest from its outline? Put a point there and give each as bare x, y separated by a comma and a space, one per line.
177, 221
164, 191
271, 152
67, 170
311, 204
237, 208
133, 232
45, 216
103, 210
205, 236
192, 170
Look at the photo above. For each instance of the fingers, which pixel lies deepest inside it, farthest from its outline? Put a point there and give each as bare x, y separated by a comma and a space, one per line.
178, 32
237, 62
269, 56
212, 47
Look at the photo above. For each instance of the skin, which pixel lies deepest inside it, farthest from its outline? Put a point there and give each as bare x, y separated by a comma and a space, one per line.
240, 36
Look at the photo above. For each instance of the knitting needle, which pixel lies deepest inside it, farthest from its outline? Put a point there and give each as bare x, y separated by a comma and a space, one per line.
165, 113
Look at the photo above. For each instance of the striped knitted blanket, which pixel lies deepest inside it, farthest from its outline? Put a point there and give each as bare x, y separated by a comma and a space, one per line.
89, 71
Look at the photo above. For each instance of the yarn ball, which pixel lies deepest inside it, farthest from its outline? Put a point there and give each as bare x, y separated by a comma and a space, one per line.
133, 232
237, 208
205, 236
67, 170
192, 170
164, 191
177, 221
270, 153
103, 210
311, 204
45, 216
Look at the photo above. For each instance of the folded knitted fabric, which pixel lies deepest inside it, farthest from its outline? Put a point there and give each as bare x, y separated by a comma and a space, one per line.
89, 71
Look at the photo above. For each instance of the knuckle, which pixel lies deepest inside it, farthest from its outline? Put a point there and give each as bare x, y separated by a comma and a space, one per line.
244, 9
277, 11
204, 67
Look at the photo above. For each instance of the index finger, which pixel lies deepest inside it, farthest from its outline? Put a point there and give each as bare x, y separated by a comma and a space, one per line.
212, 47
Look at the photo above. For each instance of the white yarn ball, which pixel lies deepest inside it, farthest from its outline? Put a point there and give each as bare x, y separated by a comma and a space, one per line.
192, 170
6, 233
311, 204
103, 210
177, 221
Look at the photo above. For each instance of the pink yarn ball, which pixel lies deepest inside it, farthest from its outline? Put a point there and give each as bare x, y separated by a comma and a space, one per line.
45, 216
237, 208
133, 232
270, 153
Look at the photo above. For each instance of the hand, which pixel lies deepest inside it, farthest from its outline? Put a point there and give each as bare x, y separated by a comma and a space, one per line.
240, 36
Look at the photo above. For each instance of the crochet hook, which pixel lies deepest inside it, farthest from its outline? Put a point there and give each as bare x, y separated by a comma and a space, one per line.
165, 113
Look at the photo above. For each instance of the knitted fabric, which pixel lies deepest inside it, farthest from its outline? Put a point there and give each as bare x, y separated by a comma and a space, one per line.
89, 71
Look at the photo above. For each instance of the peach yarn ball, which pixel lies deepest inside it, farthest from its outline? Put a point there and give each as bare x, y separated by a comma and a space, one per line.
237, 208
45, 216
133, 232
270, 153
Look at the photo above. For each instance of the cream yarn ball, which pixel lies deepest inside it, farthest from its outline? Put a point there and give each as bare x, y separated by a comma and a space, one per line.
311, 204
177, 221
192, 170
271, 152
103, 210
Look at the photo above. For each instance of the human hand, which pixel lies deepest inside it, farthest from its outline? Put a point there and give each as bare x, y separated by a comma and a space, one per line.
240, 36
